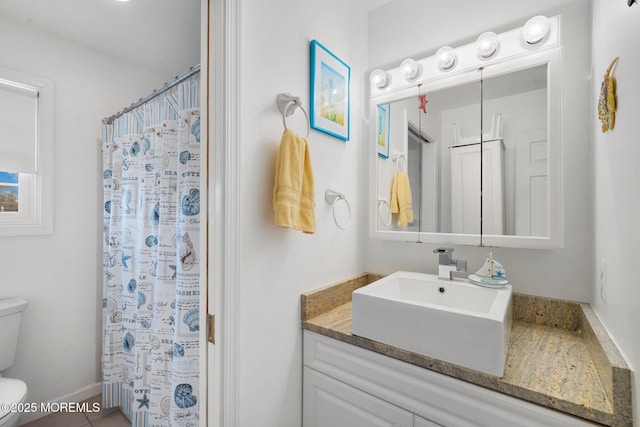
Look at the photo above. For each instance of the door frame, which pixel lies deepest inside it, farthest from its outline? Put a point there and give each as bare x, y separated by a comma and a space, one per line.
223, 101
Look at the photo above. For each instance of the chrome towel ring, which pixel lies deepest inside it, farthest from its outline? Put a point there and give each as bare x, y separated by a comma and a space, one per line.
332, 197
381, 202
287, 105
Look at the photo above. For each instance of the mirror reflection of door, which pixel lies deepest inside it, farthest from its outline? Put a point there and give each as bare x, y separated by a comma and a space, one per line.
521, 99
470, 211
531, 217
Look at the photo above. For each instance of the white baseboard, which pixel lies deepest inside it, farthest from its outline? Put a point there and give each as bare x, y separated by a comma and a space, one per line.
77, 396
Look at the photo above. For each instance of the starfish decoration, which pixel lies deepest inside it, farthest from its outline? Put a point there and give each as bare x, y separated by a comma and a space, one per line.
143, 402
423, 103
125, 258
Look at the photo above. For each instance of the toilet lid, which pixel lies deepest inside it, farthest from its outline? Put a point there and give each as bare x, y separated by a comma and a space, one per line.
11, 391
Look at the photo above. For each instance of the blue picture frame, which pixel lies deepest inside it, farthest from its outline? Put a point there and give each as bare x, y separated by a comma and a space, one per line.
383, 131
330, 92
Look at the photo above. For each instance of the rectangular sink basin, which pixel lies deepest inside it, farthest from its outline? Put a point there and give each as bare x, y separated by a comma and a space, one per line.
451, 320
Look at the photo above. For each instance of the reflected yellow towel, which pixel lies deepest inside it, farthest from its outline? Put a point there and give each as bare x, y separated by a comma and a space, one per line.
293, 195
401, 198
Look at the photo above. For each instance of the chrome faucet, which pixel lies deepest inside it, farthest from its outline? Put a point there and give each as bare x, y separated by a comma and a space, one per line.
447, 265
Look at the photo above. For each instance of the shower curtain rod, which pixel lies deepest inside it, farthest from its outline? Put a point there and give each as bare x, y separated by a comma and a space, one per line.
179, 79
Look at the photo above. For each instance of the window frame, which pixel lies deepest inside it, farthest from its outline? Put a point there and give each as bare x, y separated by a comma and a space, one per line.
35, 215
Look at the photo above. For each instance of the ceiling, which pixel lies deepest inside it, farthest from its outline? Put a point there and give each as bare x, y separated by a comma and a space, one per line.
163, 35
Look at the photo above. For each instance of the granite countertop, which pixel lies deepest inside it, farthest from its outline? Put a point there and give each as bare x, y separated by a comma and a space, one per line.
560, 355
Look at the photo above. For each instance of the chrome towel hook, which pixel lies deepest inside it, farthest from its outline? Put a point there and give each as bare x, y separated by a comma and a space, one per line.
331, 197
287, 105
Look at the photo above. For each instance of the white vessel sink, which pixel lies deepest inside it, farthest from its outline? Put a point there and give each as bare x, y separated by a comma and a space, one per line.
450, 320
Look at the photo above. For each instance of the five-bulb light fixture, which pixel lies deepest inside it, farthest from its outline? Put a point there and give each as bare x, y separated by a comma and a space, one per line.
487, 45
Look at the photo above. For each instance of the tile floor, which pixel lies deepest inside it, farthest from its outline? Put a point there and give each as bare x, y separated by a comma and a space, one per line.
104, 418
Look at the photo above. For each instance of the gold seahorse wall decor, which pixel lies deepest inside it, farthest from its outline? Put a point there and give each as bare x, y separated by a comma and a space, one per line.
607, 101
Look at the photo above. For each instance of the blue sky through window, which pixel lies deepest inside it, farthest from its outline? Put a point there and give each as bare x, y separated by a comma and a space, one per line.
9, 190
6, 177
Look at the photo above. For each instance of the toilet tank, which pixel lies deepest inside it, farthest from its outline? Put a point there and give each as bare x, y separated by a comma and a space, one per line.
10, 315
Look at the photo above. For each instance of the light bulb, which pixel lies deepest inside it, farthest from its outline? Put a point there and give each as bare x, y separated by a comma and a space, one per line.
535, 29
487, 44
411, 69
380, 79
446, 57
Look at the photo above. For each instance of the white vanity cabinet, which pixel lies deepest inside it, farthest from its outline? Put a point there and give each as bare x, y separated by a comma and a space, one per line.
345, 385
332, 403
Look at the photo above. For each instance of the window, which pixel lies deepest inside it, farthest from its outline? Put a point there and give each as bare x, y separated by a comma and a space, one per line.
18, 206
26, 149
9, 192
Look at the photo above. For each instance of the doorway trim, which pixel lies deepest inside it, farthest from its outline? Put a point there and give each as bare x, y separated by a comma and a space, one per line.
224, 206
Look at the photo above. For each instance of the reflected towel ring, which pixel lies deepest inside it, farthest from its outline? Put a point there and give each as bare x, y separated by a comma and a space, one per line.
287, 105
381, 202
396, 158
332, 197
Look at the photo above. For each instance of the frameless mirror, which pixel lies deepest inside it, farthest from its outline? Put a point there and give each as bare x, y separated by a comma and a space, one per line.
483, 157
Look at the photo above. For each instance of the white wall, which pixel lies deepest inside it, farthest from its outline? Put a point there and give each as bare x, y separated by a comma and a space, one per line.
617, 200
279, 264
60, 274
564, 273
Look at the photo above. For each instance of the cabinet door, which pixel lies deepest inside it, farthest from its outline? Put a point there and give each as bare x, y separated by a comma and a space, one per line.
330, 403
421, 422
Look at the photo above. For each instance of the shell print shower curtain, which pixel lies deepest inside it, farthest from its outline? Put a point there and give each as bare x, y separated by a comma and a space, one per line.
151, 282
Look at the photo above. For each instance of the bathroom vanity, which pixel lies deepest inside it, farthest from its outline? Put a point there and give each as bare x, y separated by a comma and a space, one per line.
562, 369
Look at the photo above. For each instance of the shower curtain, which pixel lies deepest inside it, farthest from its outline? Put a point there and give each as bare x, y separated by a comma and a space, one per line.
151, 282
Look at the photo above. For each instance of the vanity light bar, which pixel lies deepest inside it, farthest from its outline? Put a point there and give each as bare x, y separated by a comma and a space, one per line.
412, 70
380, 79
447, 58
538, 33
487, 44
536, 29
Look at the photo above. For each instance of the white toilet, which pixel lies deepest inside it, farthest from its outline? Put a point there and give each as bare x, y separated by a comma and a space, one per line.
13, 392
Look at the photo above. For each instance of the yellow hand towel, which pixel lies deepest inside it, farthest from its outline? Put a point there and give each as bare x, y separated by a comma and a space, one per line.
401, 198
293, 195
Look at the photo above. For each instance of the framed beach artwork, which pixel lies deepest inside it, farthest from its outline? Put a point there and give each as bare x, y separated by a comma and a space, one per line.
382, 127
329, 92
